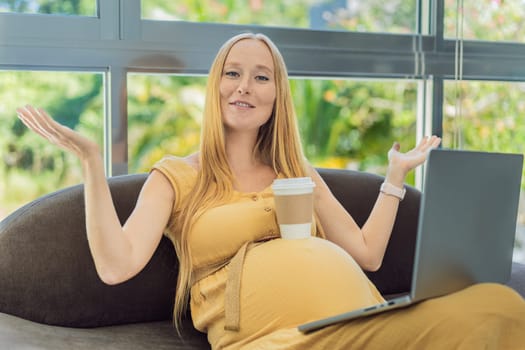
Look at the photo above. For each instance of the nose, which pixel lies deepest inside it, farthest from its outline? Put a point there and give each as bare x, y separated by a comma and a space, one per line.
244, 86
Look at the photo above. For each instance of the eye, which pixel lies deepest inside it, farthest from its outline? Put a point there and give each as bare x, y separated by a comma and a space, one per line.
262, 78
231, 74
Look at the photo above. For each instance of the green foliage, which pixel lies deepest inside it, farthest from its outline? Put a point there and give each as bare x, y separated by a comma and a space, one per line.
63, 7
164, 117
355, 122
486, 116
494, 20
31, 166
269, 13
370, 15
394, 16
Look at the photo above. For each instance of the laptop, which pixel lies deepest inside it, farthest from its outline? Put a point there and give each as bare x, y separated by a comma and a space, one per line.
466, 228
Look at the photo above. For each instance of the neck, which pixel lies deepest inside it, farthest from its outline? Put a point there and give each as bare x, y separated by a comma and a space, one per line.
240, 151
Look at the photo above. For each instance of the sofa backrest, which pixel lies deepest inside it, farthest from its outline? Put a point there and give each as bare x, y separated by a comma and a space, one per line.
47, 274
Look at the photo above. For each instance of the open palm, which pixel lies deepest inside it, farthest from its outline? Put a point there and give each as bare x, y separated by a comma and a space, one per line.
416, 156
41, 123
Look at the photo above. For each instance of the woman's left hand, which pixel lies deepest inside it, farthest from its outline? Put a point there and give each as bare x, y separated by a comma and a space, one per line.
399, 164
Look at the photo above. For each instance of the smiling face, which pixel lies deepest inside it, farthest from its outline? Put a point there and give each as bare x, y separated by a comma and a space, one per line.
247, 86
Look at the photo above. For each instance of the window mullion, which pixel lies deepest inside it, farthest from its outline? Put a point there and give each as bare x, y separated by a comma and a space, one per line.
108, 12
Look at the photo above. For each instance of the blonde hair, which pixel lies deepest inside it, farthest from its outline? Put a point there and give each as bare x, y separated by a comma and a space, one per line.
278, 144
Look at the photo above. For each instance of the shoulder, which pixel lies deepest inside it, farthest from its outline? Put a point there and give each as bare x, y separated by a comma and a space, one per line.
193, 161
175, 164
313, 173
180, 173
321, 190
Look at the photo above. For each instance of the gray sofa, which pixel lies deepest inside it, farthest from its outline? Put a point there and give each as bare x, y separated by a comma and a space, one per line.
51, 297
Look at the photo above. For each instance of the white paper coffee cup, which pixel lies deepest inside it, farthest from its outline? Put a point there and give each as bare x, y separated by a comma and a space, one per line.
294, 206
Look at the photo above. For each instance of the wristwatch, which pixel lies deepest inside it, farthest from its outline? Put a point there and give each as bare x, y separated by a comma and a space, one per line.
391, 190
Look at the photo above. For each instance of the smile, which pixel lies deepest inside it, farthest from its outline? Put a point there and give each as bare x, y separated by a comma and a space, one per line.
242, 104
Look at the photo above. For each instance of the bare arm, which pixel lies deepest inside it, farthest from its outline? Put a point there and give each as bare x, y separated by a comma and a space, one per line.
119, 252
367, 244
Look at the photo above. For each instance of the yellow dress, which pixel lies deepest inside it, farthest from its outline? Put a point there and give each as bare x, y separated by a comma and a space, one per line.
256, 289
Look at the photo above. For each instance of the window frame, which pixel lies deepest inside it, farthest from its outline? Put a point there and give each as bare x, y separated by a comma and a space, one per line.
118, 41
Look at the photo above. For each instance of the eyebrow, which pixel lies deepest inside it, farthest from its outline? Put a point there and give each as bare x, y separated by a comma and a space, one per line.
258, 66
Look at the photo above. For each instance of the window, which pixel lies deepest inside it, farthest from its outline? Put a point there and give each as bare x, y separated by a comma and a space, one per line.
344, 123
54, 7
363, 16
494, 20
485, 115
30, 166
164, 117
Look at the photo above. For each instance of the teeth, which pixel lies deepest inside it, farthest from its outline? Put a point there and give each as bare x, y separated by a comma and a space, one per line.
242, 104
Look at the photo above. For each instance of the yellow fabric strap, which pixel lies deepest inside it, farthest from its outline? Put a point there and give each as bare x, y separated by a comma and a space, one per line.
232, 295
206, 271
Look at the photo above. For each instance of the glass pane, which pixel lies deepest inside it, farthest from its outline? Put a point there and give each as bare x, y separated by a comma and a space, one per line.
30, 166
492, 20
353, 123
358, 15
55, 7
488, 116
164, 117
344, 123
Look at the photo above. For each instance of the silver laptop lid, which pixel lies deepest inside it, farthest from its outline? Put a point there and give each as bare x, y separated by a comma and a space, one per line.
467, 221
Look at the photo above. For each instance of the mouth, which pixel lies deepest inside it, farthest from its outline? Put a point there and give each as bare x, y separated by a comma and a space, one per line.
241, 104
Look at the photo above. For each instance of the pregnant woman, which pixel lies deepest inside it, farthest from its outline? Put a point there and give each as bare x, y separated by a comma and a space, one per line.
246, 287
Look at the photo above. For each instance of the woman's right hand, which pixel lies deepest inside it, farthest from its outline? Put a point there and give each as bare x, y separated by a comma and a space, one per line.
38, 120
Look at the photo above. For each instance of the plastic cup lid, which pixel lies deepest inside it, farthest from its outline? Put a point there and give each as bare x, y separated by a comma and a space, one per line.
293, 183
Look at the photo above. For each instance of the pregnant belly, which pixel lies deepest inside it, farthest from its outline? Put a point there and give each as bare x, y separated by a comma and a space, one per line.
289, 282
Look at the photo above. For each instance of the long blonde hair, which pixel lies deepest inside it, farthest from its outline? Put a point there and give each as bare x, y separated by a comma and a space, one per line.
278, 144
